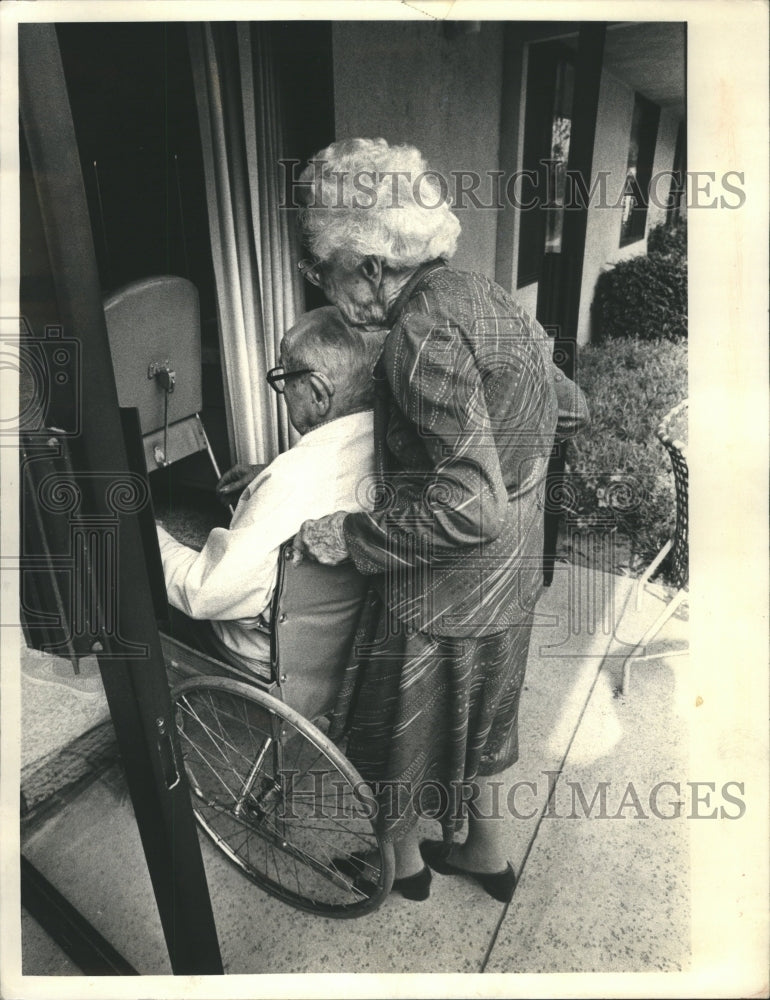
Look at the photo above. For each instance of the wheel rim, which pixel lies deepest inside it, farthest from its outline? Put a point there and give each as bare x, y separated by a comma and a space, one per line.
278, 798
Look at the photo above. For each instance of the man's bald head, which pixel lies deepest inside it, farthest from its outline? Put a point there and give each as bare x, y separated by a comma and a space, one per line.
322, 341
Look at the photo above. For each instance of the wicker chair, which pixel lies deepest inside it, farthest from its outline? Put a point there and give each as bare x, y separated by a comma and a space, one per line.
676, 548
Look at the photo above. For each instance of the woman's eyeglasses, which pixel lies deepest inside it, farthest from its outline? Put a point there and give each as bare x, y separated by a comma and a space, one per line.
276, 377
311, 271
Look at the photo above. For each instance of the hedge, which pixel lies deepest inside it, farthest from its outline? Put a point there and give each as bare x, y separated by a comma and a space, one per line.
618, 473
646, 297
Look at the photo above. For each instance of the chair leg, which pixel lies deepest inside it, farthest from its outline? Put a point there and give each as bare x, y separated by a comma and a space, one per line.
647, 575
649, 635
208, 447
210, 451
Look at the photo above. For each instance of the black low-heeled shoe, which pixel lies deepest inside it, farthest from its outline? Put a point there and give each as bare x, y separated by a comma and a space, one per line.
499, 885
415, 887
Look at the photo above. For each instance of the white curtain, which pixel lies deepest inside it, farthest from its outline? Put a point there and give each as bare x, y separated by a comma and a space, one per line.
254, 249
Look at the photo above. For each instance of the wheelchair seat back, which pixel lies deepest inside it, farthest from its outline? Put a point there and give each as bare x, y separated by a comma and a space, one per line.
315, 613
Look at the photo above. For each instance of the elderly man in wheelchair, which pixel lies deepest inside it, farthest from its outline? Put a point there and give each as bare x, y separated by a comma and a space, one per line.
263, 641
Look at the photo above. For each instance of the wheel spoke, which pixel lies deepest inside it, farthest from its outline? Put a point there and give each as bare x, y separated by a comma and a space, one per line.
303, 809
212, 736
239, 778
213, 770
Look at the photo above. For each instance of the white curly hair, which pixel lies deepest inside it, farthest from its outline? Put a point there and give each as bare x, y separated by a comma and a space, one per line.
364, 197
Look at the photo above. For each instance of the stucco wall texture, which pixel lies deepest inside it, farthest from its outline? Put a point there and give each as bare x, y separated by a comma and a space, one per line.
407, 82
613, 132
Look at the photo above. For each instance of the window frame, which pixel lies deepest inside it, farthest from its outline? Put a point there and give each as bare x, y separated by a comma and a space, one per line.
543, 62
643, 135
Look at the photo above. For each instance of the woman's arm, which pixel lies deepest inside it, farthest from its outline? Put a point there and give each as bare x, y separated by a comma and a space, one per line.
459, 498
573, 409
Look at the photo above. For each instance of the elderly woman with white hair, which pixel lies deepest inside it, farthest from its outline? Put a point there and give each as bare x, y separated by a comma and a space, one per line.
465, 416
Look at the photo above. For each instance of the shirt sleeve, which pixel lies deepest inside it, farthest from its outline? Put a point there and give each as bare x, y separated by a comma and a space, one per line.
573, 413
233, 576
460, 498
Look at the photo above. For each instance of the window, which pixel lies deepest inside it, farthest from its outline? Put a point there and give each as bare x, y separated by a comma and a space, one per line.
561, 128
675, 209
641, 150
547, 130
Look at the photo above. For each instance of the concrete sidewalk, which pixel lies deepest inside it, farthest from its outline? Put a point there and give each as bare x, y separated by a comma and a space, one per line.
603, 871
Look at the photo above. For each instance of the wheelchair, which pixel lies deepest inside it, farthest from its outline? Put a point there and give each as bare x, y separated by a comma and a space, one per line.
268, 786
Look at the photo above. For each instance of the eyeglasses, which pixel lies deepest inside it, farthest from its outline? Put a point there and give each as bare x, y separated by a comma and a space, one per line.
311, 271
276, 377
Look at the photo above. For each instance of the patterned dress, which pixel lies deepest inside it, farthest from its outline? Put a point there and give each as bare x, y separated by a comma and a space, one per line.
464, 425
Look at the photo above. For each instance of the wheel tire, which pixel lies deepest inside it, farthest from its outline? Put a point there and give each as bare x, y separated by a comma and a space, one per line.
305, 807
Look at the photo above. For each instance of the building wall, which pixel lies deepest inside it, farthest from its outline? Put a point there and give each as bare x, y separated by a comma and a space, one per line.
408, 82
665, 152
613, 130
527, 296
512, 161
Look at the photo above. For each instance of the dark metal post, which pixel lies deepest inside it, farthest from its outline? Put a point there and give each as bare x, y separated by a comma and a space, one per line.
128, 649
588, 73
569, 275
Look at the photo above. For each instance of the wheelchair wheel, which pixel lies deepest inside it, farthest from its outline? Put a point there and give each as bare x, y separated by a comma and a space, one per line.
280, 799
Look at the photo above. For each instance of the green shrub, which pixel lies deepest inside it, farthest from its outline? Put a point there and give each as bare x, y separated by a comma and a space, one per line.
668, 240
646, 297
619, 474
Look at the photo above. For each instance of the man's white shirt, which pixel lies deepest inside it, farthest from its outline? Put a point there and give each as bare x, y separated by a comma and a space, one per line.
231, 580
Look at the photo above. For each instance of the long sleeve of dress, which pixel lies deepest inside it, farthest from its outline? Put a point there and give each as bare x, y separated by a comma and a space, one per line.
457, 496
464, 428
